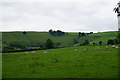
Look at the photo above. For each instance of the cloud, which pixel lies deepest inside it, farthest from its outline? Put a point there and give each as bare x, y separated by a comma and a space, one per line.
67, 16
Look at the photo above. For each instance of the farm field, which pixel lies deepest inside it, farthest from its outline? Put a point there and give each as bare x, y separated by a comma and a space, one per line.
40, 38
72, 62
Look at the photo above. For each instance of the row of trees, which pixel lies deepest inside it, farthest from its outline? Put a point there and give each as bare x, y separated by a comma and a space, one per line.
109, 42
80, 34
49, 44
56, 33
18, 45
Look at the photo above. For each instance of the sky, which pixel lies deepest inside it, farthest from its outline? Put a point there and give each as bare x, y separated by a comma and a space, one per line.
65, 15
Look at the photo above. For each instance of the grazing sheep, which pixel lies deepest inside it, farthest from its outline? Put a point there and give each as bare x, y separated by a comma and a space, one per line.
45, 52
33, 52
113, 46
26, 52
75, 49
85, 49
116, 47
97, 48
106, 47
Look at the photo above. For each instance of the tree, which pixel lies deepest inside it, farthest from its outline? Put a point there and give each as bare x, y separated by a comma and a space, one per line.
94, 43
81, 34
116, 41
49, 44
56, 33
75, 41
110, 42
58, 44
6, 48
86, 42
100, 42
24, 32
91, 32
50, 31
18, 45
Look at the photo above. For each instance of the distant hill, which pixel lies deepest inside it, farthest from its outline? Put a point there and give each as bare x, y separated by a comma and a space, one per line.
39, 38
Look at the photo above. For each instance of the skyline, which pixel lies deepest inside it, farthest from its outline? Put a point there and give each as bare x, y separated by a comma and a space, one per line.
68, 16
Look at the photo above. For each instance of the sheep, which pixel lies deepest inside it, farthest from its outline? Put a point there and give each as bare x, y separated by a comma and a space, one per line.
97, 48
85, 49
33, 52
106, 47
26, 52
45, 52
75, 49
113, 46
116, 47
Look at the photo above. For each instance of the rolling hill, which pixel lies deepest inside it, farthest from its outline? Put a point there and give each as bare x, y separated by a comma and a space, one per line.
39, 38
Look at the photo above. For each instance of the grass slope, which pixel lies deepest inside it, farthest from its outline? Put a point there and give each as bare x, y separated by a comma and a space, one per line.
37, 37
41, 37
72, 62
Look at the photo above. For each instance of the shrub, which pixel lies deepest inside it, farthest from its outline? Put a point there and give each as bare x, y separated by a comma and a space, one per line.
17, 45
49, 44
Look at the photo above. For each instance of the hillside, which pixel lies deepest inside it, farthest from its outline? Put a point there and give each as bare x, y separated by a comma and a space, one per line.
72, 62
39, 38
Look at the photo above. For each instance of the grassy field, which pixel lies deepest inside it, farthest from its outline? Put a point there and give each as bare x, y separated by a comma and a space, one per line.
41, 37
72, 62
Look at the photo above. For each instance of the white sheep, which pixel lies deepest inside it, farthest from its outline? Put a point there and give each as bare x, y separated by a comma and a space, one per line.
116, 47
33, 52
113, 46
75, 49
106, 47
97, 48
45, 52
85, 49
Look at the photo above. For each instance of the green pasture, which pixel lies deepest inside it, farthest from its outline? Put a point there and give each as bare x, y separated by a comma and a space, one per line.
67, 40
72, 62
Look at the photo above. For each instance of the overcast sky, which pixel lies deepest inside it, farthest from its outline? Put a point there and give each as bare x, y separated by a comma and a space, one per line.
65, 15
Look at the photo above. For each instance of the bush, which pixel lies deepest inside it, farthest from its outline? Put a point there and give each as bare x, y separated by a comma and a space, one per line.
6, 48
86, 42
18, 45
49, 44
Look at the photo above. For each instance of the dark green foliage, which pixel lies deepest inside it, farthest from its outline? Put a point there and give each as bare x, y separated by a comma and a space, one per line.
94, 44
5, 48
50, 31
58, 44
100, 42
75, 41
91, 32
86, 42
56, 33
116, 41
81, 34
112, 41
17, 45
24, 32
49, 44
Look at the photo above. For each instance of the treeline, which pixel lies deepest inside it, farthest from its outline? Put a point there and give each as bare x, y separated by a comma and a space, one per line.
86, 42
81, 34
20, 45
56, 33
61, 33
109, 42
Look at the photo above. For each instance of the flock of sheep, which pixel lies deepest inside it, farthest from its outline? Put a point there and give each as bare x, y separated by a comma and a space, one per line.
97, 48
85, 49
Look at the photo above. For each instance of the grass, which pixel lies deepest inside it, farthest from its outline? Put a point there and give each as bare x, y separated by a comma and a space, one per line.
41, 37
72, 62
